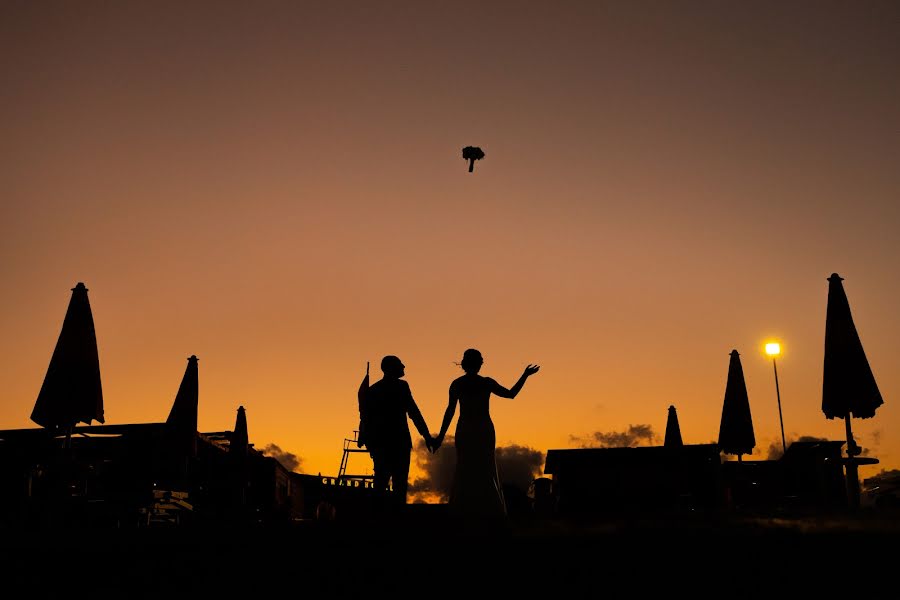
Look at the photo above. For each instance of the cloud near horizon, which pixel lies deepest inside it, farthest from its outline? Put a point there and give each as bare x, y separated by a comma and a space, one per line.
635, 435
288, 460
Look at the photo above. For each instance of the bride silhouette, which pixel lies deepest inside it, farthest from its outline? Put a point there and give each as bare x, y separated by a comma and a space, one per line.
476, 487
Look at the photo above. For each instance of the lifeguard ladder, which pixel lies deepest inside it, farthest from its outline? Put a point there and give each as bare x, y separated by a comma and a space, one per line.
351, 480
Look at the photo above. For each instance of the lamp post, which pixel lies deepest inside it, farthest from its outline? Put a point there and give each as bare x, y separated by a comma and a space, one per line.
773, 349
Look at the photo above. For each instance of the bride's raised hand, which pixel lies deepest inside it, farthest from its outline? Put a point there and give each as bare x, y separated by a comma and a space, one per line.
531, 370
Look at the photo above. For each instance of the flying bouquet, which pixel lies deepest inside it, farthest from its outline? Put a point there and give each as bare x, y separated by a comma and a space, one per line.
471, 154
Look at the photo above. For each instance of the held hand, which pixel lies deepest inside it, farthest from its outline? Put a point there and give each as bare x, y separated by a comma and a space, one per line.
531, 370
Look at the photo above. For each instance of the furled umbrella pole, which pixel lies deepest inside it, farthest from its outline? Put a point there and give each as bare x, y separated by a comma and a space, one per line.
736, 428
471, 154
848, 385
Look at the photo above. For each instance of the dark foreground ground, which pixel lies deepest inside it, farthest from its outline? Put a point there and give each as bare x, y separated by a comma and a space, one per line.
424, 552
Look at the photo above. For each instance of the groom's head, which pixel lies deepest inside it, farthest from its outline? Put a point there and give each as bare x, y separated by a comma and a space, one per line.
391, 366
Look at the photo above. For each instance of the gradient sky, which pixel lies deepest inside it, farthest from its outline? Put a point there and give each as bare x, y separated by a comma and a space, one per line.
277, 187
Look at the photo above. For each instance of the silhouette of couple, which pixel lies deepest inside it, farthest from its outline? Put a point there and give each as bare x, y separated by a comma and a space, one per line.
476, 487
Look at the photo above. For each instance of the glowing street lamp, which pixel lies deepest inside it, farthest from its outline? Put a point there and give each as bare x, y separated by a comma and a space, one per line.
773, 349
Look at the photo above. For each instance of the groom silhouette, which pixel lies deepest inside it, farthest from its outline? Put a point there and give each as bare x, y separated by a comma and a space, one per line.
388, 403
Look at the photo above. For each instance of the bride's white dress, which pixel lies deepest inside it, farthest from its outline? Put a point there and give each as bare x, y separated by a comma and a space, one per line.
476, 490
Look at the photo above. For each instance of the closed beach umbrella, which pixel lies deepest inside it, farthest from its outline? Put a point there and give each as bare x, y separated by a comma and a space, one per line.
71, 392
848, 385
240, 438
736, 428
182, 421
673, 431
237, 451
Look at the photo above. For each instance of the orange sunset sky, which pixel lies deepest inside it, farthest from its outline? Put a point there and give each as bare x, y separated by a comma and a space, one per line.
277, 187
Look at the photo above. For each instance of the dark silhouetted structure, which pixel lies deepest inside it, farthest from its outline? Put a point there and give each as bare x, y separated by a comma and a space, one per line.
659, 480
543, 501
808, 478
681, 479
146, 474
140, 474
630, 481
848, 385
736, 428
135, 476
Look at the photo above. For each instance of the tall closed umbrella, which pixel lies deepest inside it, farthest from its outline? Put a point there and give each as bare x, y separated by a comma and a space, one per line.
71, 392
182, 421
240, 438
673, 431
848, 385
736, 429
237, 451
